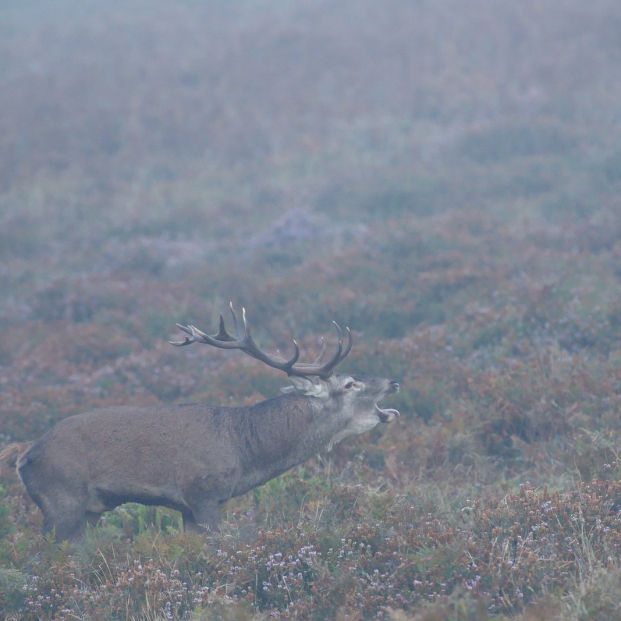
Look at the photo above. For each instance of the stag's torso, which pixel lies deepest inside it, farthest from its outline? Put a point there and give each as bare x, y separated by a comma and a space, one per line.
151, 455
169, 454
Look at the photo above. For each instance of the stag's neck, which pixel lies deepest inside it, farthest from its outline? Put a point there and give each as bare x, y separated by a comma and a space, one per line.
280, 433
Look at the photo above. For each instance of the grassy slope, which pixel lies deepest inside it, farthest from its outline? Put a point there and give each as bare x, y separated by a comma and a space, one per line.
445, 181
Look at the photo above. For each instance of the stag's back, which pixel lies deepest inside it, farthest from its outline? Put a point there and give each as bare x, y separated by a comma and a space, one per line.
130, 452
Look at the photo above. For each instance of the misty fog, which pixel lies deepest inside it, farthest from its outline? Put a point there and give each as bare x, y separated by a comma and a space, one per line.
441, 176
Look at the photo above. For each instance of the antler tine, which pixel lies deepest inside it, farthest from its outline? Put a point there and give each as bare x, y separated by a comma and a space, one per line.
191, 330
245, 323
291, 362
296, 354
235, 322
248, 345
350, 342
325, 370
322, 353
223, 334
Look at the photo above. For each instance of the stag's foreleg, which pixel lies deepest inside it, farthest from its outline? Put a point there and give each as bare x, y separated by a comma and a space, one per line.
66, 525
203, 515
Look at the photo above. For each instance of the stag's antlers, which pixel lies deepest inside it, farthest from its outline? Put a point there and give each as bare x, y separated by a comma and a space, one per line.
243, 340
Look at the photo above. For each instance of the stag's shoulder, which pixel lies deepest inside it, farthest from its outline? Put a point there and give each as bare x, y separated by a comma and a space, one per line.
282, 404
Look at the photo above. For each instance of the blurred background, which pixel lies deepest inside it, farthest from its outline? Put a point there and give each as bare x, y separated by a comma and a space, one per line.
442, 178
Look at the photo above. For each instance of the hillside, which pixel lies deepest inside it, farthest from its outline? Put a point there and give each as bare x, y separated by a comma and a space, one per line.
443, 179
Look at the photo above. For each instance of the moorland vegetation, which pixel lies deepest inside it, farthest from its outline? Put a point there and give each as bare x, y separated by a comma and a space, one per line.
444, 177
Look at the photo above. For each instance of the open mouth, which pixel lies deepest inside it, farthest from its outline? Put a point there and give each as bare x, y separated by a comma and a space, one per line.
386, 415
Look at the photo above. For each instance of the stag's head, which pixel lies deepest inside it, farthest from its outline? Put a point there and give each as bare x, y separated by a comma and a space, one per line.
355, 399
351, 393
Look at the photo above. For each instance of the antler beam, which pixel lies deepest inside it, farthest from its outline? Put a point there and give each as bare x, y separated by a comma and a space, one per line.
243, 340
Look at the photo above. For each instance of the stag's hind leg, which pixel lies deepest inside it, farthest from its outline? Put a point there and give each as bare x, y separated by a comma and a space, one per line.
62, 499
64, 512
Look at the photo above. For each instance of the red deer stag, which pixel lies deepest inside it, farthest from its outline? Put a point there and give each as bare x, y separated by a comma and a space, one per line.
195, 457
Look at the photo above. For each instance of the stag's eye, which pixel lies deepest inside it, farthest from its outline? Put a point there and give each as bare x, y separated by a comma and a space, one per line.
349, 384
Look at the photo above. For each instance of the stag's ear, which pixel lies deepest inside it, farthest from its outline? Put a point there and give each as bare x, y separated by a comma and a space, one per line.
307, 387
